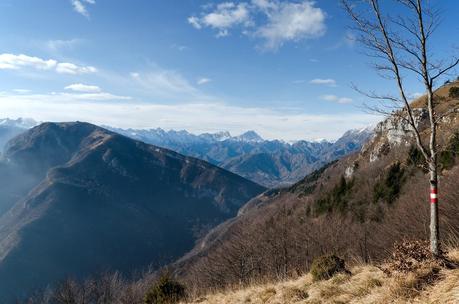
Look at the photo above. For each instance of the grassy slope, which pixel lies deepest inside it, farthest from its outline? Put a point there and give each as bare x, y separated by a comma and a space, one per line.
367, 284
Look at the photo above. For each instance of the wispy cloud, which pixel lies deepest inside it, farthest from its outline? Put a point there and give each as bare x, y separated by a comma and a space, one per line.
320, 81
337, 99
348, 40
165, 83
21, 91
195, 117
179, 47
70, 68
60, 97
58, 45
80, 6
299, 81
283, 21
416, 95
203, 80
87, 92
79, 87
195, 22
21, 61
96, 96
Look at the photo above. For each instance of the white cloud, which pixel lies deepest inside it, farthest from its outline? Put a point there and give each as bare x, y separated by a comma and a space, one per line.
264, 4
278, 21
97, 96
225, 16
334, 98
17, 62
292, 22
195, 117
70, 68
319, 81
61, 97
203, 80
80, 6
79, 87
82, 92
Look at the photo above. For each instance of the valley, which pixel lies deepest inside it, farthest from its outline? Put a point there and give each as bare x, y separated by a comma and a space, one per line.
98, 201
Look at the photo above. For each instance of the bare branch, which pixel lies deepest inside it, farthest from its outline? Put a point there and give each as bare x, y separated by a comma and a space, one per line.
445, 70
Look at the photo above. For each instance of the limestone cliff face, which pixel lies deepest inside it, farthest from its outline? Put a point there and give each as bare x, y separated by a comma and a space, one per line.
392, 132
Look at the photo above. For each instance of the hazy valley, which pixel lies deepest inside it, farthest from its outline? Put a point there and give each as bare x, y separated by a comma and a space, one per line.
132, 204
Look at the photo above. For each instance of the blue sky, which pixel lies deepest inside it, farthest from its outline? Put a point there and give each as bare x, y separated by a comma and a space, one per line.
281, 68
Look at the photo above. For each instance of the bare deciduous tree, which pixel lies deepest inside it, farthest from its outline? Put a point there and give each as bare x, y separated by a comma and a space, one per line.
402, 45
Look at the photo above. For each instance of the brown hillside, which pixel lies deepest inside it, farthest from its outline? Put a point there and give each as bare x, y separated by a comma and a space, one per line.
366, 284
356, 207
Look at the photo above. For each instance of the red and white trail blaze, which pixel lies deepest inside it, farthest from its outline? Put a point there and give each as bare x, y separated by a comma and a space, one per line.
433, 195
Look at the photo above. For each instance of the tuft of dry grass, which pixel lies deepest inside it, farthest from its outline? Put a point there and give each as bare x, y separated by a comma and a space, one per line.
267, 294
428, 284
294, 294
453, 255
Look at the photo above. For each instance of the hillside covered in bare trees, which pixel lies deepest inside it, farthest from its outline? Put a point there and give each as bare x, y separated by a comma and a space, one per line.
356, 207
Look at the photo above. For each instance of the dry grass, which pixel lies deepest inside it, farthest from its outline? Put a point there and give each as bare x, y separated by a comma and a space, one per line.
367, 284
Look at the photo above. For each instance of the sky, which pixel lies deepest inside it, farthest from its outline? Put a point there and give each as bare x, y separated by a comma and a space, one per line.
282, 68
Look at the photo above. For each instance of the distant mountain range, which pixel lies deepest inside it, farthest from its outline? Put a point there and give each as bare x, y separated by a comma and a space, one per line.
9, 128
271, 163
77, 199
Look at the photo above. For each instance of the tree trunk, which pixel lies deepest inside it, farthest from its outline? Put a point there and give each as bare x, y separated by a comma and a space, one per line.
433, 169
434, 230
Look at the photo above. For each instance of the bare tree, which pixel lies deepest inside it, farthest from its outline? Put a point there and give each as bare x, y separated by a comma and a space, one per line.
400, 46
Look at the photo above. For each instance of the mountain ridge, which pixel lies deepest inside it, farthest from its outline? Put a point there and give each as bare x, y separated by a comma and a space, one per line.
279, 163
271, 163
111, 201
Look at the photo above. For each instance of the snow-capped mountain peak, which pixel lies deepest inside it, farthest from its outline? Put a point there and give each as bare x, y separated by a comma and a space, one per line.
249, 136
23, 123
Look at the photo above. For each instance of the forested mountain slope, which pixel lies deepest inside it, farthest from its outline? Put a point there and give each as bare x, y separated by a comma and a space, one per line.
355, 207
99, 201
